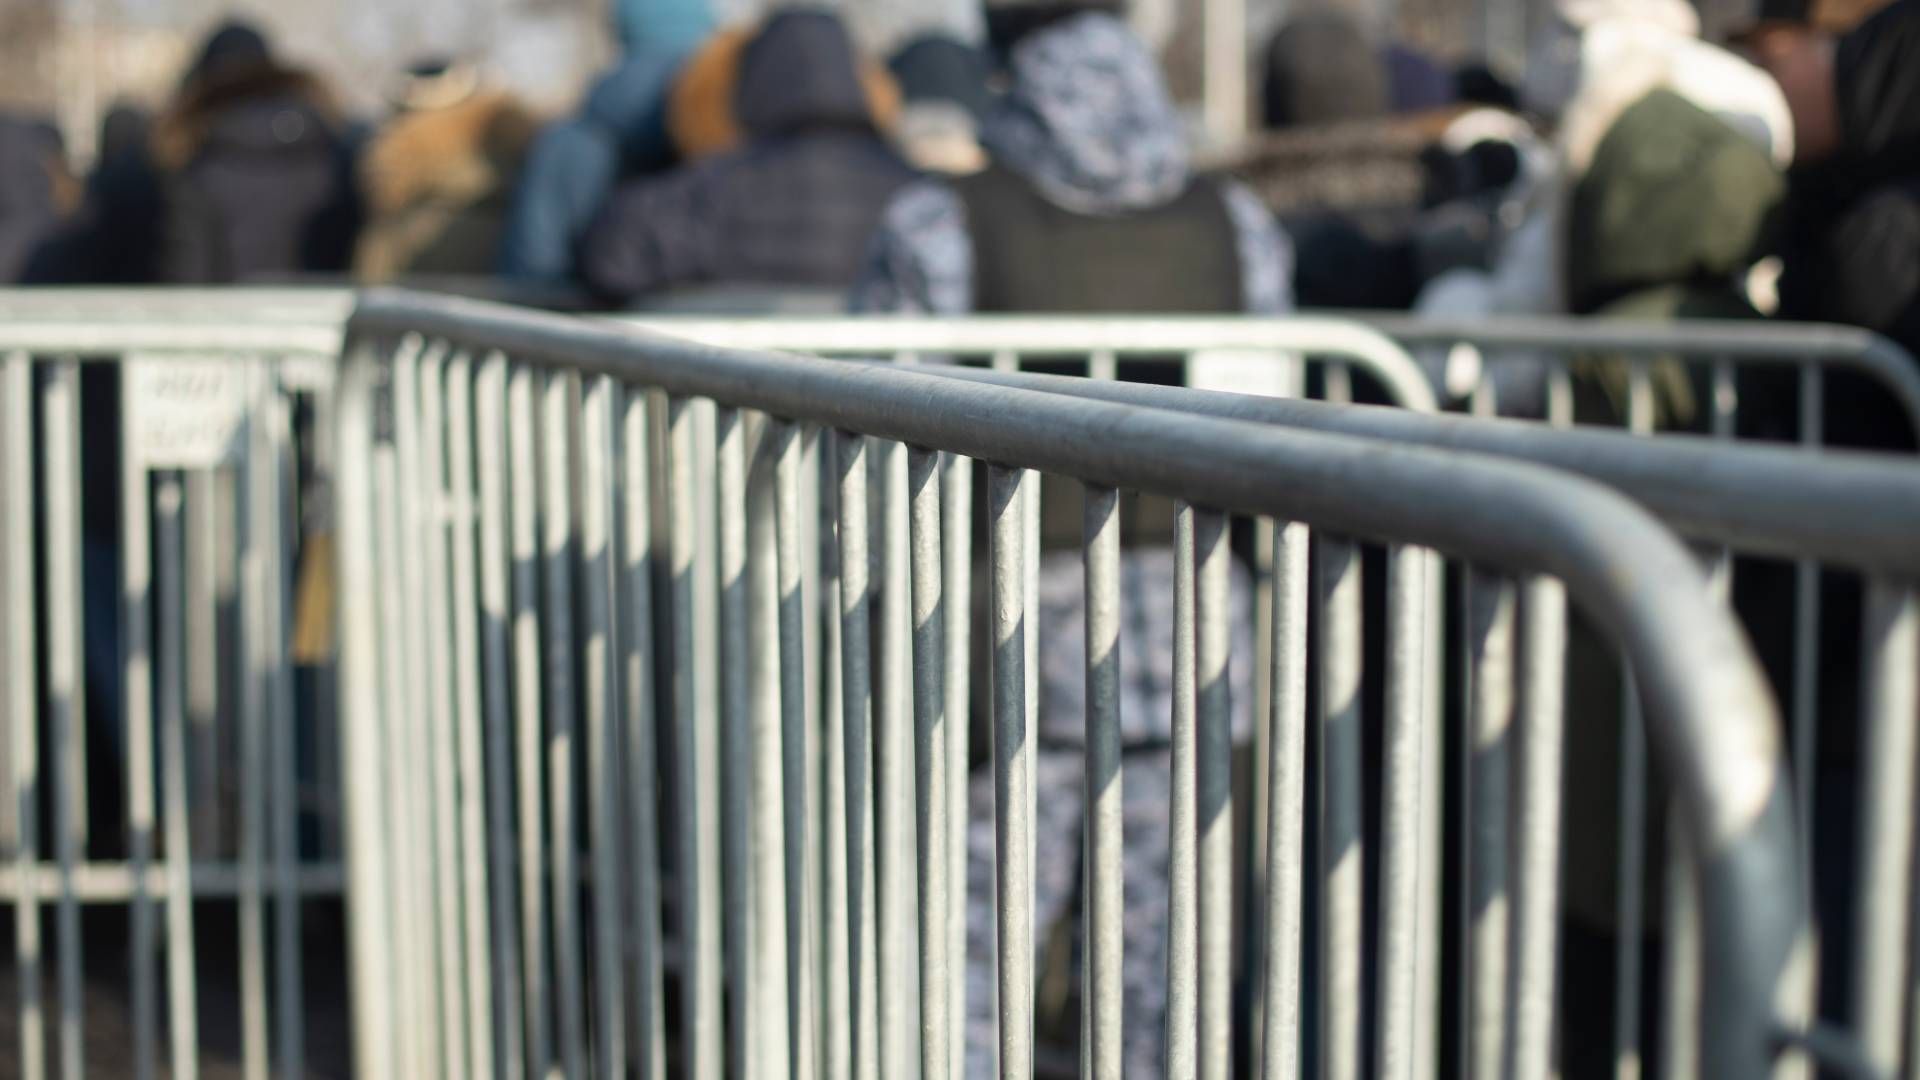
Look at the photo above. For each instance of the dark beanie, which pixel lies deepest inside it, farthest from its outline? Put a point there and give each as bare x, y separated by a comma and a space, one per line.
235, 46
1323, 69
939, 68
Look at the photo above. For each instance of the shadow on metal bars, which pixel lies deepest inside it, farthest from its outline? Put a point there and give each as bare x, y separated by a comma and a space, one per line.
1708, 712
1857, 512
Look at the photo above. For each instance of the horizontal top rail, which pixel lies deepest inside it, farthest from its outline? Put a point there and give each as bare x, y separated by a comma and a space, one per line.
1851, 509
1064, 336
1762, 341
83, 338
1712, 718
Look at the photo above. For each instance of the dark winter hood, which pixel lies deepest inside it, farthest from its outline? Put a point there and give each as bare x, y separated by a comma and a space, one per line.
1089, 120
258, 111
800, 72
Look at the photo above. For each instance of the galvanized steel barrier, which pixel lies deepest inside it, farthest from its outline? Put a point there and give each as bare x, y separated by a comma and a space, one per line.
189, 466
1856, 513
524, 579
1548, 346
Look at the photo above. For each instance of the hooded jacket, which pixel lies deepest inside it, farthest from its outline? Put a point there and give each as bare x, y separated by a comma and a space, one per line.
794, 206
1090, 125
257, 176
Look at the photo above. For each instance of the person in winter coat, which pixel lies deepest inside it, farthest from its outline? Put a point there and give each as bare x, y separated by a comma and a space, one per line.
32, 179
256, 169
114, 237
794, 206
620, 130
438, 177
1853, 248
1088, 204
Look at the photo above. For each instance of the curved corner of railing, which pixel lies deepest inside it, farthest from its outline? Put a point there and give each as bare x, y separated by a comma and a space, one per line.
1897, 368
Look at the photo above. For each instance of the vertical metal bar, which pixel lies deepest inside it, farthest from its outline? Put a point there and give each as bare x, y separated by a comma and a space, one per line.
893, 762
639, 686
1214, 793
699, 884
856, 696
173, 752
956, 518
1427, 955
1183, 1006
1006, 360
22, 692
600, 693
791, 615
1681, 989
1103, 365
1891, 694
433, 517
252, 721
1633, 810
931, 746
490, 422
523, 505
707, 749
1286, 766
816, 608
770, 664
203, 538
1013, 773
1559, 394
1488, 779
1403, 798
736, 735
557, 526
1255, 913
1103, 978
412, 963
66, 690
289, 999
1342, 845
483, 1024
1542, 632
1806, 623
837, 915
136, 632
365, 641
419, 865
1337, 384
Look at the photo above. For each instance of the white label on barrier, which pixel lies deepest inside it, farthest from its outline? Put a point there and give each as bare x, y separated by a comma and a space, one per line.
1242, 371
188, 412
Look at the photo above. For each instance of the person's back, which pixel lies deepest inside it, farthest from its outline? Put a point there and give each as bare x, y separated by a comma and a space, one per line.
794, 206
256, 170
1088, 203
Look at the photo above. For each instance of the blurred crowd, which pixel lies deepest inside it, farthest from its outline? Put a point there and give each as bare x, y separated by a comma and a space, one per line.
1632, 168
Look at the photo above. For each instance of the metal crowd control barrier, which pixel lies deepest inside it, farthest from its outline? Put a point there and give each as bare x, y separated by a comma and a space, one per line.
1854, 512
520, 515
146, 543
1242, 353
1721, 347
